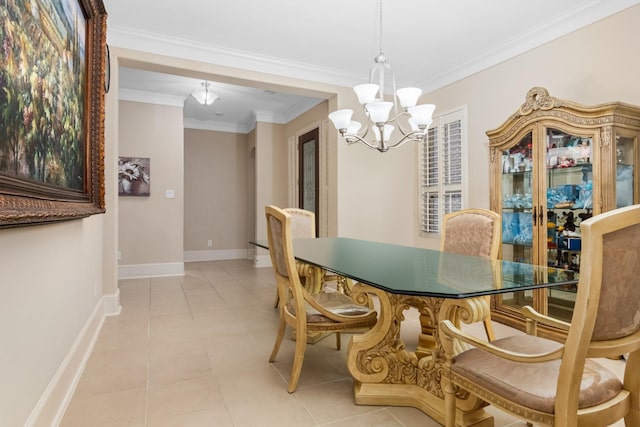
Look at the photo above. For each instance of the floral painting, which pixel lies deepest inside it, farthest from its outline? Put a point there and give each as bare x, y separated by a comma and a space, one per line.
134, 176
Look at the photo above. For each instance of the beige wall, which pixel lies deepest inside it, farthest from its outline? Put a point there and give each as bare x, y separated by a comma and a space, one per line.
151, 228
270, 161
50, 284
216, 190
376, 191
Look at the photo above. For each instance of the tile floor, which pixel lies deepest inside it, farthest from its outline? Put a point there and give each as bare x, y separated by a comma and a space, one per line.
193, 351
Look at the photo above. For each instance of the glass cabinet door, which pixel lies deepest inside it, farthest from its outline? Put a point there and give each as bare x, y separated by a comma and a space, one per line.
626, 191
569, 200
517, 211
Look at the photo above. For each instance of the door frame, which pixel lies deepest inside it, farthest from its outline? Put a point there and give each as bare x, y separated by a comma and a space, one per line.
322, 219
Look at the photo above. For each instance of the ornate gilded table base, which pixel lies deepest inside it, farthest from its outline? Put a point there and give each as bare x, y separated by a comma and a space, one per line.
386, 373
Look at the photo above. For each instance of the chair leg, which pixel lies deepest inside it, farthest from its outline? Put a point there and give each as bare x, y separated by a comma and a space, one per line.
632, 382
282, 326
298, 358
449, 403
338, 340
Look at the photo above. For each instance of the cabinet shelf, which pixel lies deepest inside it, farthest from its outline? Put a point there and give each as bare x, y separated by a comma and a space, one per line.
578, 168
518, 173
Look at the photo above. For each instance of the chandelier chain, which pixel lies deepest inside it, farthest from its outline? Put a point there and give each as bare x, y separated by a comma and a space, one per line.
380, 25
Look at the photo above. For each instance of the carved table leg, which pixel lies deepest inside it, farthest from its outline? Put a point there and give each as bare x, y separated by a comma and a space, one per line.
385, 373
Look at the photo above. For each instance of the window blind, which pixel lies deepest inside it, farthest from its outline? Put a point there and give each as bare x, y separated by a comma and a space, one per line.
442, 170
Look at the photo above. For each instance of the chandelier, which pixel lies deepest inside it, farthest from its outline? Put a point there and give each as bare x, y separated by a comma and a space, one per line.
412, 121
205, 95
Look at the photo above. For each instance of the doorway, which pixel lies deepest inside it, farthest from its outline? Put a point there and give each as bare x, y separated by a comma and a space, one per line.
308, 174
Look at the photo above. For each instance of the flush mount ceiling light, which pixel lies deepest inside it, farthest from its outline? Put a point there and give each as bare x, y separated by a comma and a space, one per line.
416, 118
204, 95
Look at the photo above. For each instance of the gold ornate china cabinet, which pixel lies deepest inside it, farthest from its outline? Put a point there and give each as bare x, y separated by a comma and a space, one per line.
555, 163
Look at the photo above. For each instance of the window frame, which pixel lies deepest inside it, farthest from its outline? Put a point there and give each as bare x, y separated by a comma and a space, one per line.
440, 190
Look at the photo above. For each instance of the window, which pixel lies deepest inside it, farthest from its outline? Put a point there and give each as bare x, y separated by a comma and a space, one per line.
442, 166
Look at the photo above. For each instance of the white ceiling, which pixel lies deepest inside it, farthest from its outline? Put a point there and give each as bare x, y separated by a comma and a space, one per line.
429, 43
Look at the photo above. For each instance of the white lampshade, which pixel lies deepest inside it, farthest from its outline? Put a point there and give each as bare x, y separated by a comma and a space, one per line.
204, 95
366, 92
388, 130
353, 128
341, 118
379, 111
415, 127
408, 96
422, 114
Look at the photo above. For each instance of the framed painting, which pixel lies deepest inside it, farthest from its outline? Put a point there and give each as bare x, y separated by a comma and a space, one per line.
52, 87
134, 176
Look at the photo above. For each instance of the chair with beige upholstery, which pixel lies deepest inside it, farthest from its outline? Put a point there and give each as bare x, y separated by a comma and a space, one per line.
560, 384
303, 226
474, 232
330, 312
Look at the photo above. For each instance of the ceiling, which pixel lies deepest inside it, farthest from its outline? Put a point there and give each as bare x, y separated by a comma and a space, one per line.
429, 43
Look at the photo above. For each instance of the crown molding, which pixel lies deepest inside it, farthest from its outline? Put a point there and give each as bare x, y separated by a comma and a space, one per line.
185, 49
150, 98
243, 128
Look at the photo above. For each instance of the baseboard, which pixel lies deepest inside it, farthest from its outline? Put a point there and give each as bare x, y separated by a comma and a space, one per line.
53, 403
215, 255
135, 271
262, 261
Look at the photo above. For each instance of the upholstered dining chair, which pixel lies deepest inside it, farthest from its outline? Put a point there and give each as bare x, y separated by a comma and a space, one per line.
329, 312
303, 226
560, 384
473, 232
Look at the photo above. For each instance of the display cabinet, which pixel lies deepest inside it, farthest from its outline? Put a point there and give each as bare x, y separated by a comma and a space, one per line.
555, 163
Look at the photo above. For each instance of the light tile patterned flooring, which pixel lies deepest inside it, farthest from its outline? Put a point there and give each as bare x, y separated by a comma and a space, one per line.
193, 351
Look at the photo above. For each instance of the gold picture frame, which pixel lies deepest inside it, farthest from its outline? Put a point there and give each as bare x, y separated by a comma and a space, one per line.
52, 89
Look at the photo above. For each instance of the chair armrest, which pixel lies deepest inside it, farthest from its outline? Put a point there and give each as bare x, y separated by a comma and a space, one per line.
448, 329
308, 298
533, 318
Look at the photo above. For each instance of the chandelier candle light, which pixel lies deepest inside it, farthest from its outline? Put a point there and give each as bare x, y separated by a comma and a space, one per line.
377, 110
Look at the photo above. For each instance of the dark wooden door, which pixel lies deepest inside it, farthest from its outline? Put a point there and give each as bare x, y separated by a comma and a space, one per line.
308, 173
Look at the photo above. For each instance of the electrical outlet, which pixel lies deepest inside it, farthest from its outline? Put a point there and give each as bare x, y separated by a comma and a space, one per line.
209, 243
119, 255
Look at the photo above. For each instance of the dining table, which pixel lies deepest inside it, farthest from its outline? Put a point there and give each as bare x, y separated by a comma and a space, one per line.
439, 285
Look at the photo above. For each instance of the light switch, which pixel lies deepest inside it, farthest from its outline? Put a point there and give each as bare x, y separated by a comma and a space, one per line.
170, 194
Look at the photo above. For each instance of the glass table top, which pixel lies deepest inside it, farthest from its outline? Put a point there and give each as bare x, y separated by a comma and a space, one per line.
416, 271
